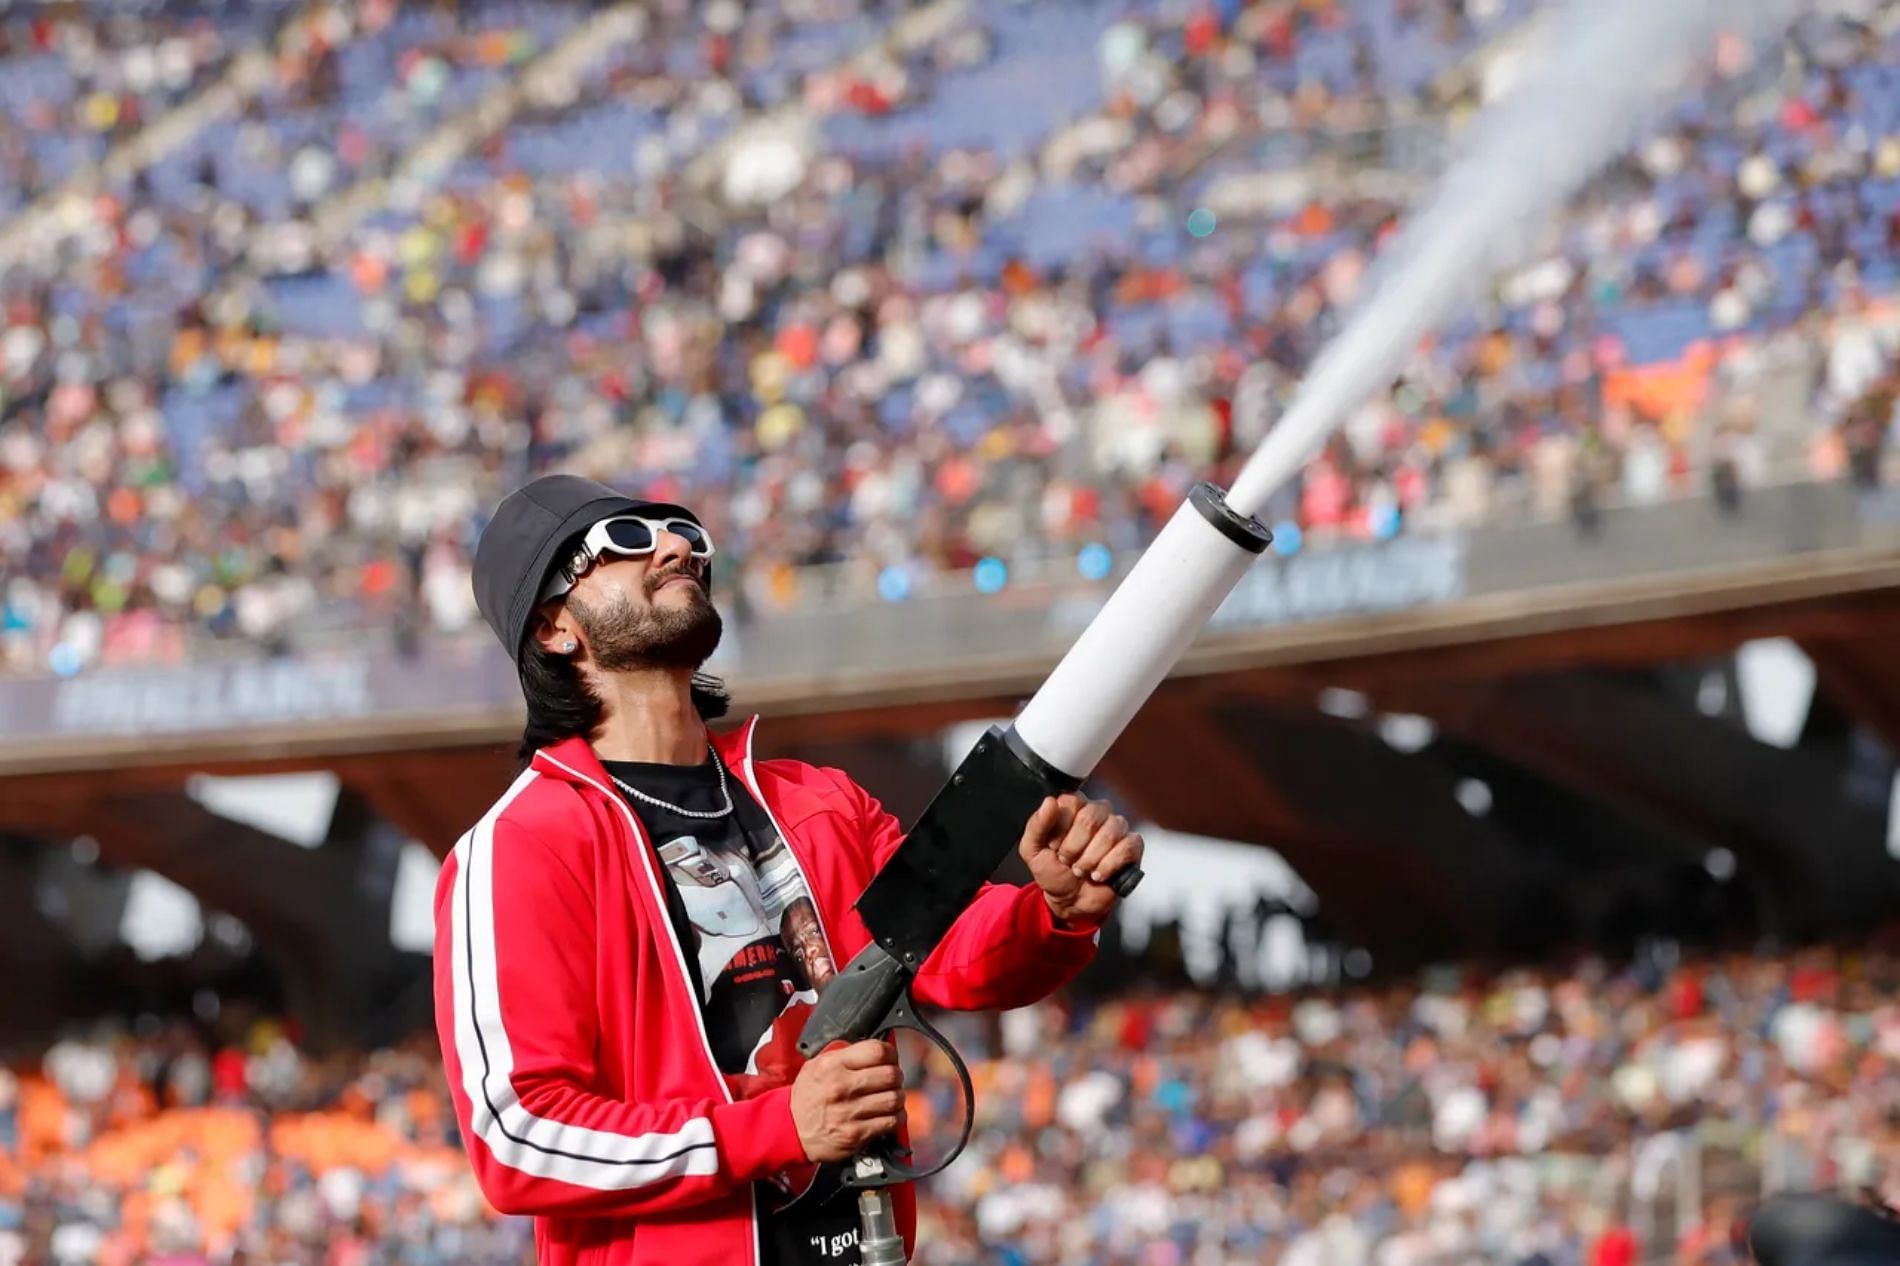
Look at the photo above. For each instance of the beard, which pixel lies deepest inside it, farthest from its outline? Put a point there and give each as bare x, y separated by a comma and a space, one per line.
622, 636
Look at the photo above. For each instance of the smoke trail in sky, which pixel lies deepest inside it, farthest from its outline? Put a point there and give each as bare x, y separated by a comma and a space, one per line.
1601, 73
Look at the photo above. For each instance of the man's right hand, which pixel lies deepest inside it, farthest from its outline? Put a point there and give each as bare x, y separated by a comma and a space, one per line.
846, 1096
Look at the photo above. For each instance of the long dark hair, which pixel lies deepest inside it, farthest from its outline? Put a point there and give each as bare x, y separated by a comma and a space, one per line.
561, 706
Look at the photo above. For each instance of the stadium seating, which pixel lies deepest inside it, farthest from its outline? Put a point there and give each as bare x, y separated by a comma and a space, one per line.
1527, 1118
79, 79
978, 287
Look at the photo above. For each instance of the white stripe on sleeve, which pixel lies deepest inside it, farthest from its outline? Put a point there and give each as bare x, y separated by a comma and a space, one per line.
535, 1145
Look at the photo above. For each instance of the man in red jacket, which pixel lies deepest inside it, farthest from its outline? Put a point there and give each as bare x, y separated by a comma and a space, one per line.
628, 942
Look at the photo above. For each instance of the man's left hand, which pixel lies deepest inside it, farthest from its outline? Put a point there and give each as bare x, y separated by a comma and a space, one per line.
1072, 847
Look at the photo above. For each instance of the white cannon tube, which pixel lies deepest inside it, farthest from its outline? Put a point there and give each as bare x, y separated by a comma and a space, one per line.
1173, 590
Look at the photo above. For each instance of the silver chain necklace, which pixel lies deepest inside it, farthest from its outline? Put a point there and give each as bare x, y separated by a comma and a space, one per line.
719, 767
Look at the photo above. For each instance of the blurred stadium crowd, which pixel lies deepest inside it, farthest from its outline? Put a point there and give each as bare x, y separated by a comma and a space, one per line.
1528, 1118
884, 288
948, 305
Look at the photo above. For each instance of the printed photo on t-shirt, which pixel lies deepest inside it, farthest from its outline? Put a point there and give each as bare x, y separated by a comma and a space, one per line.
756, 953
760, 949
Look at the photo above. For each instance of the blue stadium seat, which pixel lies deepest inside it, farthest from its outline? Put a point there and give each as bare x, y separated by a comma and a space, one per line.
318, 305
1045, 74
1661, 333
1059, 223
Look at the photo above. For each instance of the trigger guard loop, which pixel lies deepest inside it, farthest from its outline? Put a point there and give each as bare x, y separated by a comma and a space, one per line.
894, 1155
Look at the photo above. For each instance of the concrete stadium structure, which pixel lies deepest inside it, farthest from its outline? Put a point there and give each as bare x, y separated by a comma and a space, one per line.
1586, 684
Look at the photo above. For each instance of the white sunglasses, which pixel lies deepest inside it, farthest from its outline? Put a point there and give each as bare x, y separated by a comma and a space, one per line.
628, 535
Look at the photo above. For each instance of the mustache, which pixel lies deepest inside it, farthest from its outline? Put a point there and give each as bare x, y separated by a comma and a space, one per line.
685, 569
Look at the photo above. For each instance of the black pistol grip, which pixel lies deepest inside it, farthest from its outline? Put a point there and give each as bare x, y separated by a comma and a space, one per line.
854, 1002
895, 1158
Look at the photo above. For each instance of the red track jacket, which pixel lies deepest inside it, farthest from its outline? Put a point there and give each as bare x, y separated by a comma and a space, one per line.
583, 1083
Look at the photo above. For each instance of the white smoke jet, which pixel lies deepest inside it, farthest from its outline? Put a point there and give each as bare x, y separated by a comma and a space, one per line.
1597, 77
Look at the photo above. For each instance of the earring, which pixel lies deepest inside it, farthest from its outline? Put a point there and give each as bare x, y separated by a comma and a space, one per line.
569, 647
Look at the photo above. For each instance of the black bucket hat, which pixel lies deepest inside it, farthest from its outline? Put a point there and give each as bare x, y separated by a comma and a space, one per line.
532, 526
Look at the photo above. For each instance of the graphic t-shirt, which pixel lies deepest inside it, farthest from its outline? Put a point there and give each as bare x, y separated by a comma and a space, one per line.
756, 951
